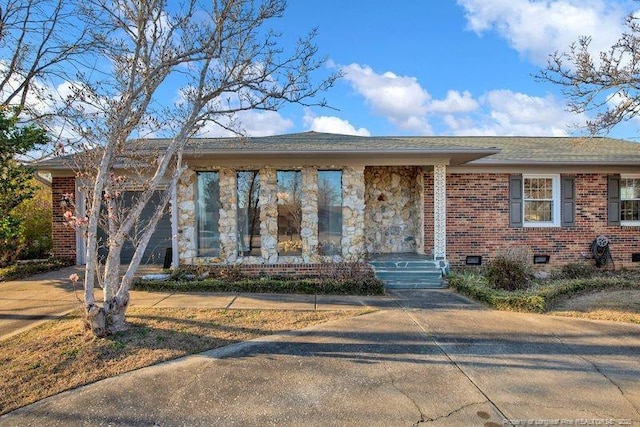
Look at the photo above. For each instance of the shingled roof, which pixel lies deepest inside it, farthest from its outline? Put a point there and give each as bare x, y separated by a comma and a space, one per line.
481, 150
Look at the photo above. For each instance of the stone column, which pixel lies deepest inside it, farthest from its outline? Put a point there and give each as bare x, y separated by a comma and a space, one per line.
186, 197
269, 215
439, 211
353, 213
309, 223
228, 223
418, 206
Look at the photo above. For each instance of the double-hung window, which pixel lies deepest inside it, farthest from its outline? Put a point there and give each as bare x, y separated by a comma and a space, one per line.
541, 202
538, 200
630, 200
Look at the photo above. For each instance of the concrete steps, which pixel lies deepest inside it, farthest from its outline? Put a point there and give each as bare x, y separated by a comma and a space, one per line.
409, 273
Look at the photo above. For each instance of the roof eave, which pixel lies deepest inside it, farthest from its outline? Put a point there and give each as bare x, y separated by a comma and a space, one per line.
495, 162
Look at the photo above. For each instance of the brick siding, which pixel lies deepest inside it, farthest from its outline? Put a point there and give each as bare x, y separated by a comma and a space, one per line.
478, 221
64, 237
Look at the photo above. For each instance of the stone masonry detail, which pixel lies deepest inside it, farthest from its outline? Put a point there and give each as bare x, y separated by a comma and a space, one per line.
353, 194
353, 211
228, 216
268, 215
393, 213
187, 247
309, 223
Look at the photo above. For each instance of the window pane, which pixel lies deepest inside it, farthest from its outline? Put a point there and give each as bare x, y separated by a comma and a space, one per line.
630, 210
538, 188
208, 212
289, 212
538, 211
329, 212
248, 213
630, 189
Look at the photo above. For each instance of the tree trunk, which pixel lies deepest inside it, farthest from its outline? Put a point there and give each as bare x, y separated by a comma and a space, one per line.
107, 320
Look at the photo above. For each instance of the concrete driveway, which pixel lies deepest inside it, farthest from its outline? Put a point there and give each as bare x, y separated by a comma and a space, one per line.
436, 359
27, 302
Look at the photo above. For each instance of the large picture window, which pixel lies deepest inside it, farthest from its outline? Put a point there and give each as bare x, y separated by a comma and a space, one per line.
248, 183
329, 212
541, 200
208, 213
289, 212
630, 199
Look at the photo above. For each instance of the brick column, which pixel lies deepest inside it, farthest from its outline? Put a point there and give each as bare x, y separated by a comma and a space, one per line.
64, 236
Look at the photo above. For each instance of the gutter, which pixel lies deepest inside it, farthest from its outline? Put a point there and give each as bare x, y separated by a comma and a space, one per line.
43, 179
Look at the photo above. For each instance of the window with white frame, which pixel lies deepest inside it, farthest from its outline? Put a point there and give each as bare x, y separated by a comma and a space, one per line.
541, 200
630, 200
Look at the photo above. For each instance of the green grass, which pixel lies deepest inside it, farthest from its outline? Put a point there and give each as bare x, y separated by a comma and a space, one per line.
360, 286
20, 271
540, 296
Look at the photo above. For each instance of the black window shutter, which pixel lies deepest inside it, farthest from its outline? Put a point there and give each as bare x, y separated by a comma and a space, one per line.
515, 201
568, 201
613, 200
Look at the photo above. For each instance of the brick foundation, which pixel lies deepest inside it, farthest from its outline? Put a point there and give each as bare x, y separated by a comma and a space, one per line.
64, 237
478, 221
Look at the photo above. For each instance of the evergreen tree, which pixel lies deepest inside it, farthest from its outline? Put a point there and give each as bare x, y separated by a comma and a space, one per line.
15, 178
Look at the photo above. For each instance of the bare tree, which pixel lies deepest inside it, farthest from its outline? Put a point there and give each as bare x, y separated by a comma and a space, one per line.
41, 42
607, 85
224, 58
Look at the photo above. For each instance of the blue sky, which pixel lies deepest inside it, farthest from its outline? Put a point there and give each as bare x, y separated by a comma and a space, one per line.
445, 67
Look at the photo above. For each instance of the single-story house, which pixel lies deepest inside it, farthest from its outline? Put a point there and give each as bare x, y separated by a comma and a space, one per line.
285, 203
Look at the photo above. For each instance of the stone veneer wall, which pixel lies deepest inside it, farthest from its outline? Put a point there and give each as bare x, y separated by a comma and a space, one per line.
353, 208
353, 193
309, 223
393, 214
186, 201
228, 223
269, 215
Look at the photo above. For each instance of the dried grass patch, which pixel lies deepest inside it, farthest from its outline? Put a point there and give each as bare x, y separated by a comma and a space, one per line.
614, 305
61, 355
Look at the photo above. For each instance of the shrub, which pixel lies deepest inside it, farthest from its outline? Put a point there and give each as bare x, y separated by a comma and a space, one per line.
511, 270
537, 298
352, 281
11, 240
35, 216
20, 270
577, 270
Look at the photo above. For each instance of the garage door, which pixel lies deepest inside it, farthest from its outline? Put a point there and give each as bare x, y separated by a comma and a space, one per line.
160, 240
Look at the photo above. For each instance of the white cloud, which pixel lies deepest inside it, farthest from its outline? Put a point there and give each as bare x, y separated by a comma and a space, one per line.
537, 28
405, 103
331, 124
251, 123
455, 102
400, 99
504, 112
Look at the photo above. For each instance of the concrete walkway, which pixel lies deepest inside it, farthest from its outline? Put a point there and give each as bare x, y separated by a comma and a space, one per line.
29, 302
434, 359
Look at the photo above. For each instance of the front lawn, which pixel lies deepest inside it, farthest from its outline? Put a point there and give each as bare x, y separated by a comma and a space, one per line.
61, 355
541, 295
